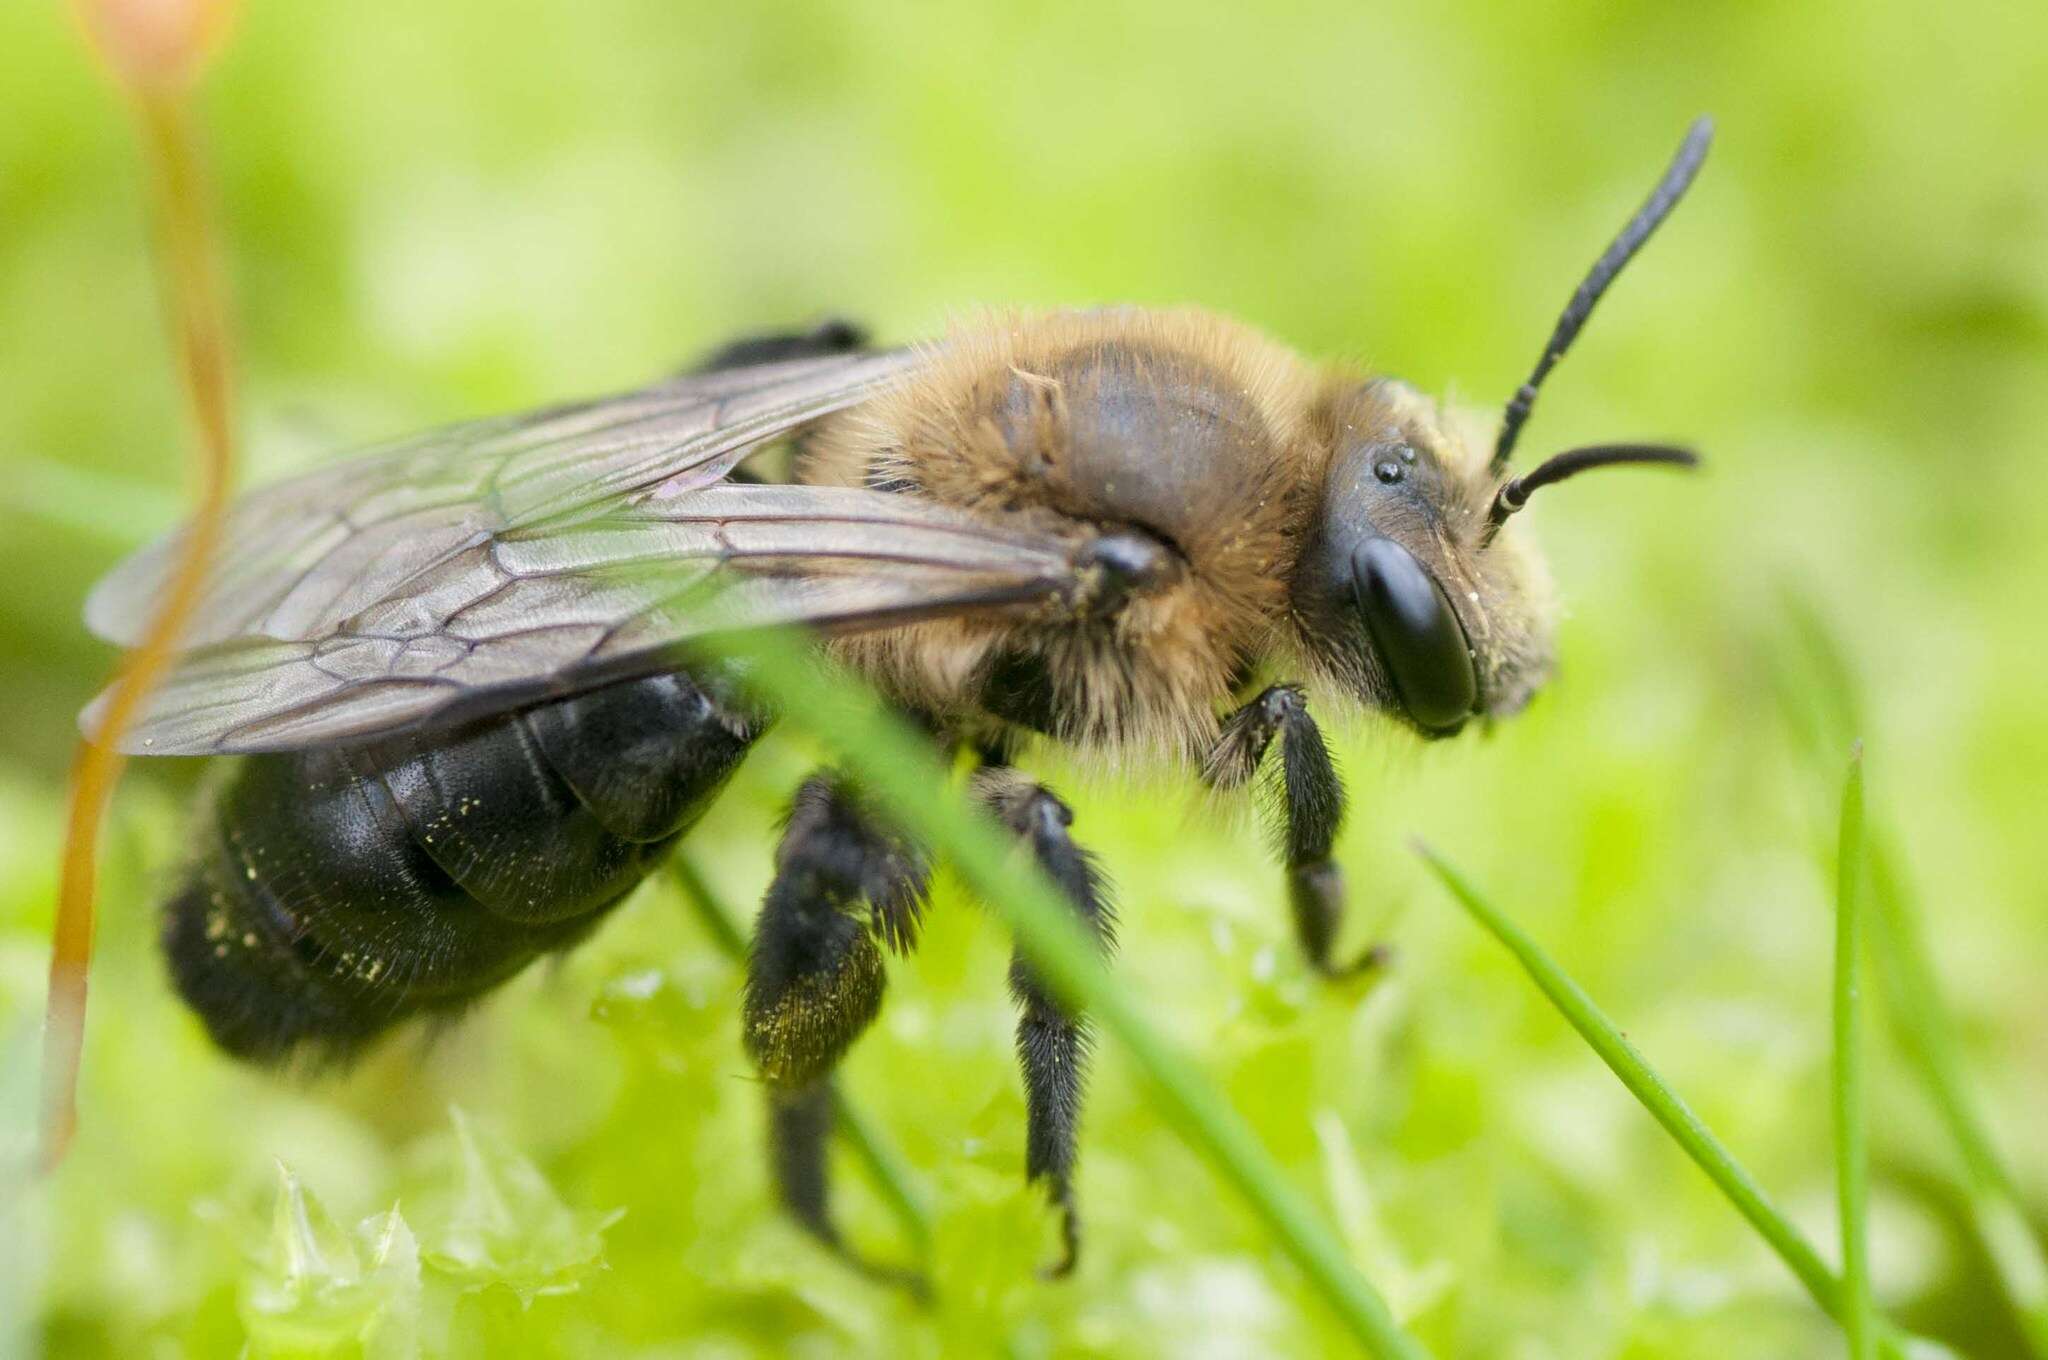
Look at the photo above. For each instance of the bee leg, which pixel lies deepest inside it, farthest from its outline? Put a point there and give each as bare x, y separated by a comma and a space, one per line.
1304, 801
1052, 1043
815, 981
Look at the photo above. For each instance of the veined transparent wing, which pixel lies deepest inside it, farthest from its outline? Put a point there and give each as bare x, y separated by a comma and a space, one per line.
301, 557
518, 616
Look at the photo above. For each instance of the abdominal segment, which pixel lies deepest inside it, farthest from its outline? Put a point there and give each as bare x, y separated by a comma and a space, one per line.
338, 891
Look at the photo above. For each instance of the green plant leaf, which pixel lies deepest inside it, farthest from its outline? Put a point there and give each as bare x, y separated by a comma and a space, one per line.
505, 1225
316, 1290
1852, 1156
1664, 1104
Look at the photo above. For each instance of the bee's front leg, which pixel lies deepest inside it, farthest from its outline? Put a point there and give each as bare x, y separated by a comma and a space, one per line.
1303, 799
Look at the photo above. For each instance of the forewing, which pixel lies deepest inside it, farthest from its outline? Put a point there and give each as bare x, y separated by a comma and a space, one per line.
519, 616
299, 558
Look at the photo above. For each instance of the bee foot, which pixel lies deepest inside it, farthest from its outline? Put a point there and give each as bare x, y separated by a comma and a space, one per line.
1376, 959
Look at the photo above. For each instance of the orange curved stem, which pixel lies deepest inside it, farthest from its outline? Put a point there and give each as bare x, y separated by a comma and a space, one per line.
196, 317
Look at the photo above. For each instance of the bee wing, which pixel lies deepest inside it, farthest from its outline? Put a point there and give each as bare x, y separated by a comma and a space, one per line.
299, 558
521, 616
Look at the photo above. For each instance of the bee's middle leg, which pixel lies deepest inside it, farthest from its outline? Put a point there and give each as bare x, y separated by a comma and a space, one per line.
815, 979
1052, 1042
1304, 800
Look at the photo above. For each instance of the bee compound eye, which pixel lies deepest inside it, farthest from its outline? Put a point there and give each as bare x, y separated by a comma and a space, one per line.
1416, 635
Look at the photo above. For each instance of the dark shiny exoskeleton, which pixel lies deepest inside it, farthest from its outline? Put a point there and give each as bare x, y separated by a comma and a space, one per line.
340, 890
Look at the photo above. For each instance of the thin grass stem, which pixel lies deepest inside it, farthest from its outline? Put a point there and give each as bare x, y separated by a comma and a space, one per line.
1920, 1016
1852, 1155
878, 1157
1926, 1030
1665, 1105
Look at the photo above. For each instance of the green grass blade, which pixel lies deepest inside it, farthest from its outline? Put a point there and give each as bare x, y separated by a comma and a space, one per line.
1664, 1104
1852, 1156
885, 1167
878, 1158
103, 506
1920, 1016
721, 925
1927, 1032
900, 768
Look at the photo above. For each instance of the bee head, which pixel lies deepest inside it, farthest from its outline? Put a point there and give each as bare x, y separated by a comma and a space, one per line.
1406, 602
1411, 590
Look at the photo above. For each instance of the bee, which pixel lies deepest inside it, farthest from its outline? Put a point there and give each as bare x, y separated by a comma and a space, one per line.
469, 680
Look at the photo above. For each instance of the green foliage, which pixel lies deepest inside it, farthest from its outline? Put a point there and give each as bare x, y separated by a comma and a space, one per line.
318, 1291
451, 208
503, 1224
1664, 1104
1852, 1150
1924, 1021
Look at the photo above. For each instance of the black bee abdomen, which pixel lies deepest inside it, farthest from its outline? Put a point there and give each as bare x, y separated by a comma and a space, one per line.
622, 750
337, 892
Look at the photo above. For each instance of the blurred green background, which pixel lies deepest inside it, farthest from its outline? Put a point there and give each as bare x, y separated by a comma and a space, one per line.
444, 209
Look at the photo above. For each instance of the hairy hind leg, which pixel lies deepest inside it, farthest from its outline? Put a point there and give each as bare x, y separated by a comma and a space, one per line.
815, 980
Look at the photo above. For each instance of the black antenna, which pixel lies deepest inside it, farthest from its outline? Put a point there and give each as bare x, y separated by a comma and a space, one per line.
1515, 494
1677, 179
